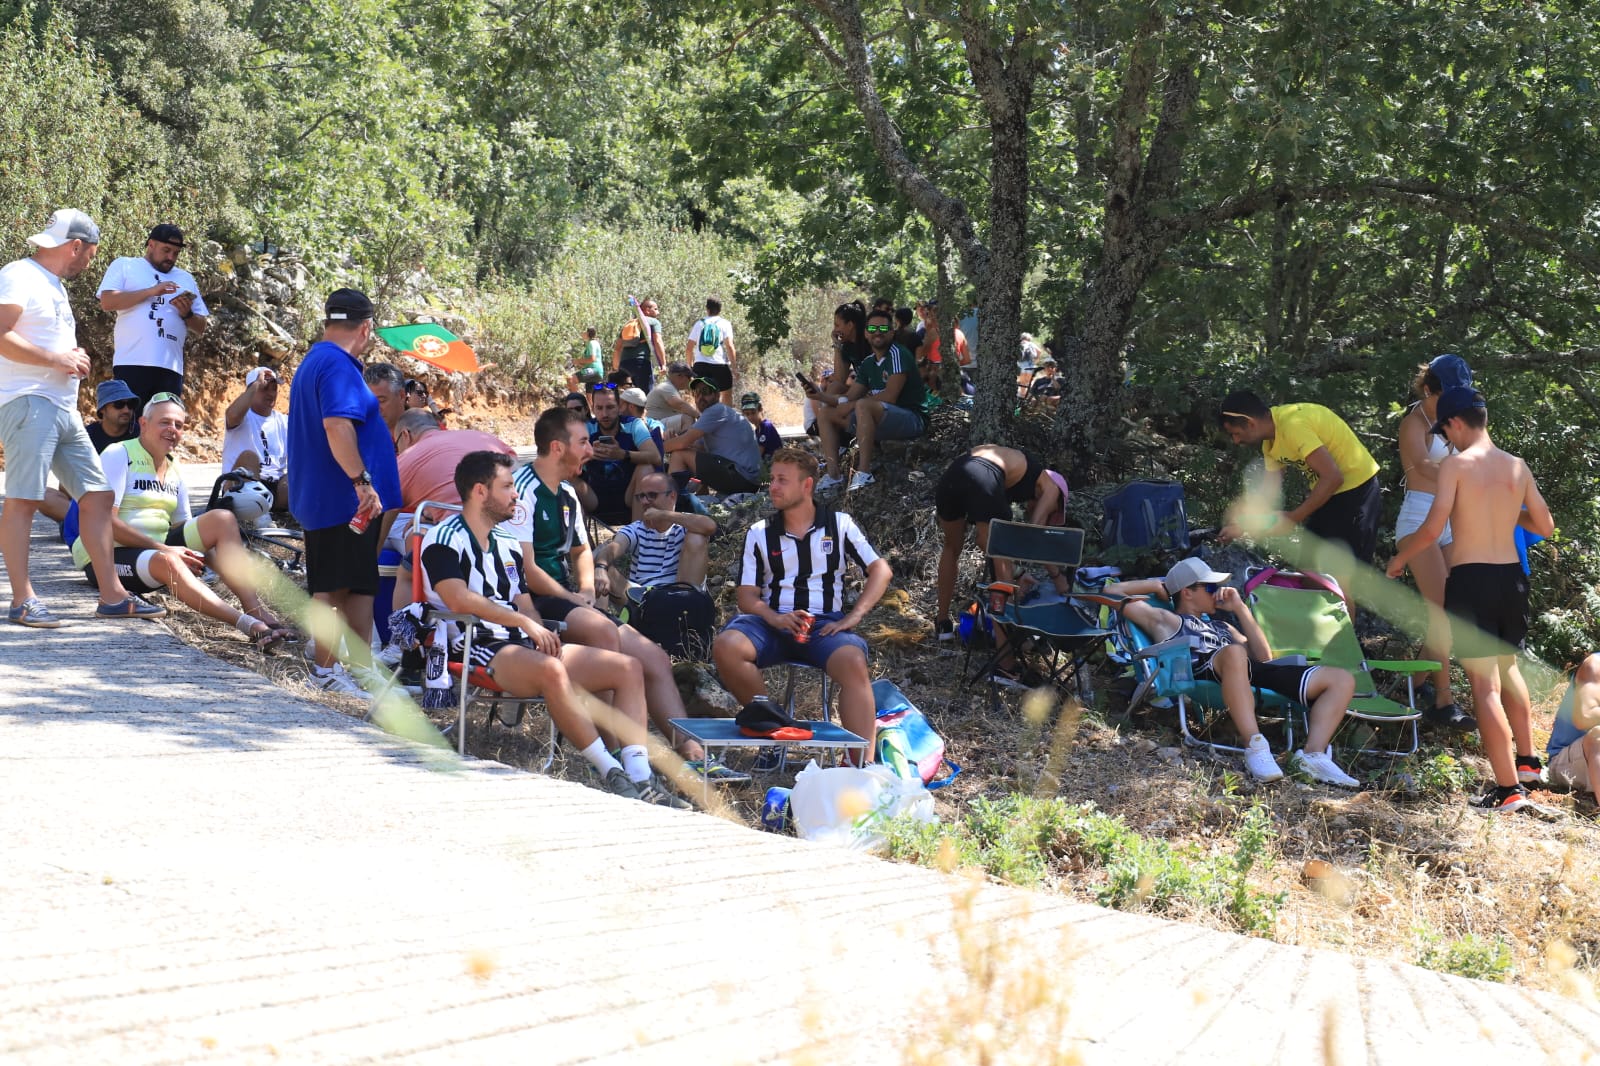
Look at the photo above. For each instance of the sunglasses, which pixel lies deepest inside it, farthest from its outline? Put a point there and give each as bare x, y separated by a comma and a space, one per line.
880, 329
165, 397
1209, 586
121, 405
650, 497
413, 385
604, 386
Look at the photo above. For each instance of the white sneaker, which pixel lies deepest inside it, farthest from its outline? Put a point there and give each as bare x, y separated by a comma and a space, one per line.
827, 483
1321, 767
337, 681
860, 480
1259, 761
390, 656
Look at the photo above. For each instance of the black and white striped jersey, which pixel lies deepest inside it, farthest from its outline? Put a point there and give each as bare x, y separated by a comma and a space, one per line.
804, 573
451, 552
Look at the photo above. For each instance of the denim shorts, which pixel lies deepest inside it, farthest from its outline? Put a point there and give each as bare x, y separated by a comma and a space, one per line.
774, 648
898, 423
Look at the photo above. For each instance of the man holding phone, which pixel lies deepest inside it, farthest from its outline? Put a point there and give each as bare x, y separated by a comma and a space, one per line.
623, 450
158, 306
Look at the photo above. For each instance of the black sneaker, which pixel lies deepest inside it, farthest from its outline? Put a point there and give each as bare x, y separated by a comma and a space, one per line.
1450, 717
1503, 800
1530, 771
944, 629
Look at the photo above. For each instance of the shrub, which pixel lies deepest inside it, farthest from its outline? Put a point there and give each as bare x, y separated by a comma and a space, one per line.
1470, 956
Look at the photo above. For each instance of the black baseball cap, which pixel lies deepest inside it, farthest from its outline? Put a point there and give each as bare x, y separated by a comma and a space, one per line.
347, 305
1453, 401
167, 233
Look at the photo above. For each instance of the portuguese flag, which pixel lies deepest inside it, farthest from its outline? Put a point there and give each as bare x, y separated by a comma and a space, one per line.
434, 345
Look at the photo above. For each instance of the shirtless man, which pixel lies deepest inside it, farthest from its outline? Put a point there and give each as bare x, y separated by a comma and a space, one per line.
1485, 494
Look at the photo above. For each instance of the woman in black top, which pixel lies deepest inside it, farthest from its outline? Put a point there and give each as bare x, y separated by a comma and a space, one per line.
976, 489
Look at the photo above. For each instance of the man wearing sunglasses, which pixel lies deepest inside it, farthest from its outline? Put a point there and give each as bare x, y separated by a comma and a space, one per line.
887, 401
158, 307
1238, 658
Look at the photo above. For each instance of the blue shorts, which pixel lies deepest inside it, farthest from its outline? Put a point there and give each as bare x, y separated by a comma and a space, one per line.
774, 648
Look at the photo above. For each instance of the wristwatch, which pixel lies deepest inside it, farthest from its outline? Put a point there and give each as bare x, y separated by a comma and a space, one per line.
363, 478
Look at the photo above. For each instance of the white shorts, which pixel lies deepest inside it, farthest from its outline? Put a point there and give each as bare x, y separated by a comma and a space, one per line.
1413, 512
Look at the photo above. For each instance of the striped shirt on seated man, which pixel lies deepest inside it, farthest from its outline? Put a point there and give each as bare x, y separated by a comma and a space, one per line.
794, 564
665, 547
471, 567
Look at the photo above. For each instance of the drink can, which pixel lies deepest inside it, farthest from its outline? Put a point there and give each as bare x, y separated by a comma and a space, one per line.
775, 810
360, 522
803, 635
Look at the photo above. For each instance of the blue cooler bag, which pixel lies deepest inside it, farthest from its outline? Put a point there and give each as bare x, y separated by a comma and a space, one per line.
906, 742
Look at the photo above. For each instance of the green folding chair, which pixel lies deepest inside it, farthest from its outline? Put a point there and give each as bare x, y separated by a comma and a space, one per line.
1317, 624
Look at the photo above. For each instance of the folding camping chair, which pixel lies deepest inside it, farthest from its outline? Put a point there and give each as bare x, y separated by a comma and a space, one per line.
1305, 614
478, 686
1165, 675
1063, 632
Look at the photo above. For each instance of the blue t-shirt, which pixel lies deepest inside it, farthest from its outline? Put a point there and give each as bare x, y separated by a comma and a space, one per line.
329, 385
1563, 734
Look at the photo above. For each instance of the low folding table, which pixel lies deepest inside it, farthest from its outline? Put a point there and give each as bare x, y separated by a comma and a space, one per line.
714, 733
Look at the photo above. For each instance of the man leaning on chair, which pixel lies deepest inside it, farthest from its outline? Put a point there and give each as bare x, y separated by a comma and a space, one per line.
1238, 658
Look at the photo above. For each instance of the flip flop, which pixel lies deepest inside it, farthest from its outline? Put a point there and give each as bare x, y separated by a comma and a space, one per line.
132, 607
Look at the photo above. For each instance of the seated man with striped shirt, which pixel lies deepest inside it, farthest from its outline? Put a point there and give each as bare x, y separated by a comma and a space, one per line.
794, 562
474, 568
666, 545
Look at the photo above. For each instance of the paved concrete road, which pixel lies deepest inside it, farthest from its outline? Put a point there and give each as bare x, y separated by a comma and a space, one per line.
199, 867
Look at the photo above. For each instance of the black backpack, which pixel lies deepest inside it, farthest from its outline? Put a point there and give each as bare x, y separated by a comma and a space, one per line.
680, 618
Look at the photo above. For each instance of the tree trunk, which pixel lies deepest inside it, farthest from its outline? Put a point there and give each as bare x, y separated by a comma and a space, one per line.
1000, 286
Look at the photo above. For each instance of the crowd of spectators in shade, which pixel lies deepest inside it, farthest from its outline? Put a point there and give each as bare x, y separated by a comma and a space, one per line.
362, 446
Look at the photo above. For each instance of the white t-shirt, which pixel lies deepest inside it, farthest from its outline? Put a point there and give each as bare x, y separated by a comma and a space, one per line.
46, 321
149, 333
266, 435
726, 334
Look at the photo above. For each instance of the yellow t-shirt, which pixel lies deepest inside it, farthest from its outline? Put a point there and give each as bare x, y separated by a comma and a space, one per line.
1302, 428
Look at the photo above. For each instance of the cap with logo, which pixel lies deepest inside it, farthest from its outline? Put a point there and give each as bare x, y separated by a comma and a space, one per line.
112, 391
348, 305
167, 233
1190, 572
750, 401
67, 224
1454, 401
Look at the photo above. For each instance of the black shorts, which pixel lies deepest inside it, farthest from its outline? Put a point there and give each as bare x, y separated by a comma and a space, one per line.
133, 564
640, 367
1283, 678
1488, 606
338, 560
483, 654
148, 381
1351, 518
719, 374
974, 489
721, 475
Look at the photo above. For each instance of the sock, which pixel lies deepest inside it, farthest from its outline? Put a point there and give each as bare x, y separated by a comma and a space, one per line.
246, 623
636, 760
1530, 762
599, 757
1502, 791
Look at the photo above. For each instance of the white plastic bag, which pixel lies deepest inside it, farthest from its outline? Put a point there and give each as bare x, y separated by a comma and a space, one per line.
846, 807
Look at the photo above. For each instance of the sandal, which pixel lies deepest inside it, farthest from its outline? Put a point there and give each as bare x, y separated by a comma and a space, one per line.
267, 636
132, 607
33, 614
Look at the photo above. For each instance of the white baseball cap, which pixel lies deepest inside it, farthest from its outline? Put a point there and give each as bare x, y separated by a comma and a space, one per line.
1190, 572
254, 373
67, 224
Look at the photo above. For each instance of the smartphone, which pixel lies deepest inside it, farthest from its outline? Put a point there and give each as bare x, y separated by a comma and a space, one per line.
606, 439
805, 382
